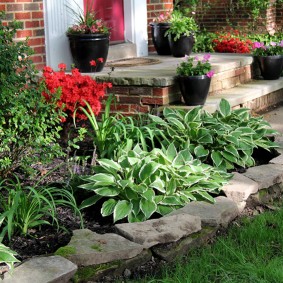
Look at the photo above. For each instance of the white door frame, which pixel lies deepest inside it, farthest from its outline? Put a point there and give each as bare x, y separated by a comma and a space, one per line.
57, 20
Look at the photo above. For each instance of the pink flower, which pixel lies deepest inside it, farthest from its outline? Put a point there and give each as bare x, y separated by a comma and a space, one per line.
206, 57
210, 74
281, 43
100, 60
273, 43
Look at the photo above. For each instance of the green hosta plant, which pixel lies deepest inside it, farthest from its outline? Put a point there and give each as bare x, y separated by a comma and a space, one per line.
226, 138
141, 183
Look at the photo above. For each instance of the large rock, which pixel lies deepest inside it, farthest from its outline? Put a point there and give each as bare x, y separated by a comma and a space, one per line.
266, 175
163, 230
88, 248
239, 189
221, 212
52, 269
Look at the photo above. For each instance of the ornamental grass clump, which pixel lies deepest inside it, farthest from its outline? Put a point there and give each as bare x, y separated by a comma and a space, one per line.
195, 66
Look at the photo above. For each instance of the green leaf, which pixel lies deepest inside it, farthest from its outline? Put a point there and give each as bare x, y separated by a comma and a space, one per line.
224, 107
107, 178
148, 207
177, 123
108, 207
164, 209
170, 200
206, 196
216, 158
90, 201
121, 210
147, 170
171, 152
108, 191
110, 164
232, 150
159, 185
200, 151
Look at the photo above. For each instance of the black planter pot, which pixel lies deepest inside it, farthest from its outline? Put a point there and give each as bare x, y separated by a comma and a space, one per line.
182, 46
194, 89
271, 67
160, 41
87, 47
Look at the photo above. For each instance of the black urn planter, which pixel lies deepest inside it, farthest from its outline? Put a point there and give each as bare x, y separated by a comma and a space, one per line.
88, 47
182, 46
160, 41
271, 67
194, 89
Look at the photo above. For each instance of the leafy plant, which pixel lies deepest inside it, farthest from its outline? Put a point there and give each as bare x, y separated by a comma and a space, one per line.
225, 138
142, 183
23, 208
28, 125
181, 25
7, 256
274, 48
200, 67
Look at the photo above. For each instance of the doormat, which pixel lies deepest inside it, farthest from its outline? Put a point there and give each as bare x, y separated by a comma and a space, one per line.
132, 62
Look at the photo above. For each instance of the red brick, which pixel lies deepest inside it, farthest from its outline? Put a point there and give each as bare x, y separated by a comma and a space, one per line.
24, 33
120, 90
22, 16
138, 108
14, 7
31, 7
37, 58
2, 7
120, 107
152, 100
140, 90
39, 49
32, 24
129, 99
37, 15
35, 41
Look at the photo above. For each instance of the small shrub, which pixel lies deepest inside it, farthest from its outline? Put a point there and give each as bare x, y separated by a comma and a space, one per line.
28, 125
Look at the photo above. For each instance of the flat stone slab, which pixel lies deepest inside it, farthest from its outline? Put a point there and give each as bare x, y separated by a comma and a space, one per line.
265, 175
88, 248
240, 188
52, 269
160, 231
221, 212
277, 160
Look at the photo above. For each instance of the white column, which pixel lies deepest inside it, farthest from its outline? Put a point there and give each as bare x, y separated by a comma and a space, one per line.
135, 14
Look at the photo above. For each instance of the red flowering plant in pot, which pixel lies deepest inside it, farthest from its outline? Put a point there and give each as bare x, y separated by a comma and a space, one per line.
194, 78
269, 58
74, 90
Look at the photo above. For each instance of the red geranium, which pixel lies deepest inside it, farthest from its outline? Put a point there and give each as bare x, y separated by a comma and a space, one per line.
75, 89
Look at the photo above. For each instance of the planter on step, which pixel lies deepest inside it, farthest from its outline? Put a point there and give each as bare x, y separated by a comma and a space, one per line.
194, 89
160, 41
271, 67
181, 46
88, 47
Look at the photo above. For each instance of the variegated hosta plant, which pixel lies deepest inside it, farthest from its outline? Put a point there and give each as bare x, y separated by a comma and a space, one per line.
7, 256
142, 183
225, 138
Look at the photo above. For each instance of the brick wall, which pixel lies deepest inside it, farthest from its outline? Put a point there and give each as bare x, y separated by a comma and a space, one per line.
279, 17
154, 8
30, 12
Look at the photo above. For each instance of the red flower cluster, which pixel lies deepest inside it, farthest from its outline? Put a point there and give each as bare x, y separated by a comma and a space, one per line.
232, 42
75, 88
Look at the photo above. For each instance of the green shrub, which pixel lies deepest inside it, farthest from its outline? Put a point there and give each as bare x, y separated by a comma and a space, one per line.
225, 139
141, 183
7, 256
28, 124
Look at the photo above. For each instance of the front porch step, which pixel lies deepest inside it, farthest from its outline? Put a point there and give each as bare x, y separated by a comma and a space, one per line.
144, 88
122, 51
256, 95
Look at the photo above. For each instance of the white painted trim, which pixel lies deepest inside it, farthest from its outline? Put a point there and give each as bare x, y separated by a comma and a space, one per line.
135, 16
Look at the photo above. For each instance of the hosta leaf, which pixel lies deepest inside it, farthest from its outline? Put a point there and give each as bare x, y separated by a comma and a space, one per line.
200, 151
110, 164
148, 194
122, 209
159, 185
229, 157
224, 107
175, 122
108, 207
147, 170
171, 152
232, 140
246, 131
232, 150
135, 206
171, 187
193, 114
204, 136
108, 191
157, 119
148, 207
216, 158
106, 178
170, 200
90, 201
206, 196
164, 209
136, 218
131, 194
186, 154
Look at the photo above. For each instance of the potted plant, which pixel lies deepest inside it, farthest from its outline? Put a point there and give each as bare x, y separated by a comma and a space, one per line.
181, 34
89, 40
269, 58
194, 78
159, 27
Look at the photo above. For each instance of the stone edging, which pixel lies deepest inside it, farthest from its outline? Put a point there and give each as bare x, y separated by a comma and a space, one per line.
90, 256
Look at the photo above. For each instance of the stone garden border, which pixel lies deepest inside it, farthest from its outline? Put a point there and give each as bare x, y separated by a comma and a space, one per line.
90, 256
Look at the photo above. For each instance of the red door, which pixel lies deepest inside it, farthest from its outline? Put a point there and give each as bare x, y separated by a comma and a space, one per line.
112, 12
